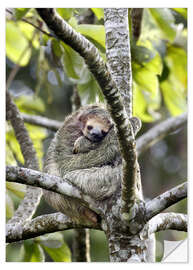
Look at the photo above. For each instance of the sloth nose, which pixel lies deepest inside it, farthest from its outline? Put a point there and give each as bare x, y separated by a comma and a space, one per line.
96, 133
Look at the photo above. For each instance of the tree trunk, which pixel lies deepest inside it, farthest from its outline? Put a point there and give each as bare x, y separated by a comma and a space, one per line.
130, 248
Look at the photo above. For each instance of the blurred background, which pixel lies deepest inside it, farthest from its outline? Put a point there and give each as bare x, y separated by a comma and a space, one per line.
47, 78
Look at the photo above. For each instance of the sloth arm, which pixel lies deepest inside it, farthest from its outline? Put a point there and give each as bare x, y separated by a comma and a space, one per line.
105, 153
83, 145
99, 183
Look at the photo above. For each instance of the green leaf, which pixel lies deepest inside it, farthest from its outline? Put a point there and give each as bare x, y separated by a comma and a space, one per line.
28, 32
20, 12
73, 22
55, 246
174, 98
99, 12
56, 236
176, 60
9, 206
61, 254
65, 13
155, 65
37, 134
165, 21
12, 145
146, 111
95, 32
73, 63
57, 52
174, 87
31, 252
30, 104
182, 11
18, 189
16, 44
141, 54
146, 79
90, 91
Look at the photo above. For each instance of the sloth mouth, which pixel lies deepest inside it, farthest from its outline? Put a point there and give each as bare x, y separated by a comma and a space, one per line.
95, 138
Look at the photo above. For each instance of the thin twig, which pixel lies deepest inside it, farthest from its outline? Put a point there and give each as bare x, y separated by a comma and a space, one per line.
32, 24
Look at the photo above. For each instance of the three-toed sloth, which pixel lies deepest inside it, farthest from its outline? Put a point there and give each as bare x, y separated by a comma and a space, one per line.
85, 151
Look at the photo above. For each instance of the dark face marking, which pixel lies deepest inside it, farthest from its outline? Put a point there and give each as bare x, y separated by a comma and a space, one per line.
89, 127
95, 134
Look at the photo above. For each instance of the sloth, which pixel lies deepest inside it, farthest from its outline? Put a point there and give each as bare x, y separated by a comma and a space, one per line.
85, 145
94, 128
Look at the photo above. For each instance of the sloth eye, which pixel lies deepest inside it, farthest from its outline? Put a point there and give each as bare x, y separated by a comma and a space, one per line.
89, 127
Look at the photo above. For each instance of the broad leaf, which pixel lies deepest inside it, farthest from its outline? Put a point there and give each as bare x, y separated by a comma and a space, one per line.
146, 79
95, 32
55, 246
65, 13
18, 189
99, 12
28, 32
17, 46
145, 105
73, 62
90, 91
165, 21
30, 104
20, 12
182, 11
31, 252
174, 87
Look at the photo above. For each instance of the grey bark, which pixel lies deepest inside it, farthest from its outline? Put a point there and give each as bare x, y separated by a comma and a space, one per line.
28, 206
159, 131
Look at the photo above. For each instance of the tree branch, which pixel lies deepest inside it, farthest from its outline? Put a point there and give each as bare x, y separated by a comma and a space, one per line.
117, 39
166, 199
42, 121
144, 142
118, 52
49, 182
136, 15
160, 131
28, 206
44, 224
97, 66
166, 221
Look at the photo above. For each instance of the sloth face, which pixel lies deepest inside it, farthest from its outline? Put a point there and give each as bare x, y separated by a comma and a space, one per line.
96, 129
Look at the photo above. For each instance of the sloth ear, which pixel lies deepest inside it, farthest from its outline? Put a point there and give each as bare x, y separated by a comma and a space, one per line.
80, 116
81, 120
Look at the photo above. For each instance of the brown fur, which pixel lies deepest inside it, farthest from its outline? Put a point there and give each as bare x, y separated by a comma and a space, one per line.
93, 167
97, 160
